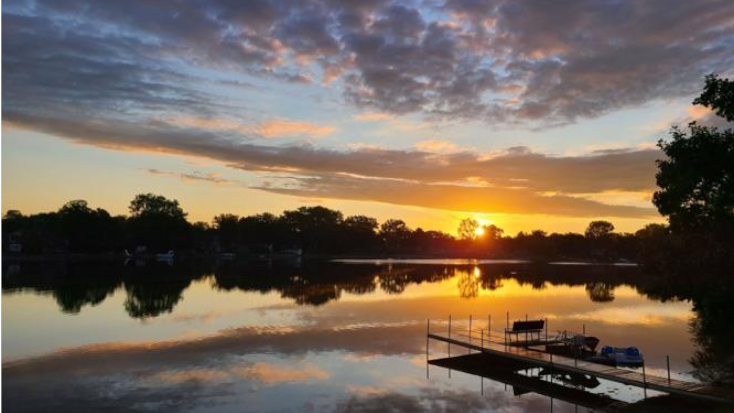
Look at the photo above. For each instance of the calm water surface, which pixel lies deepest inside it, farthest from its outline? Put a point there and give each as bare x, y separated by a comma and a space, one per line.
280, 336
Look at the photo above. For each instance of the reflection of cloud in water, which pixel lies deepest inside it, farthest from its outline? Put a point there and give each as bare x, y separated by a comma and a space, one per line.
267, 373
108, 358
270, 373
636, 315
436, 400
366, 390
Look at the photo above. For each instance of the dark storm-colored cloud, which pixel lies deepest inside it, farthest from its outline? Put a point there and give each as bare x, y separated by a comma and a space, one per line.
561, 60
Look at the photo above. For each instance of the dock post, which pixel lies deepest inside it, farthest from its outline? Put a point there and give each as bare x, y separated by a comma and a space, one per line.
449, 343
428, 331
489, 328
470, 328
481, 339
667, 361
526, 331
469, 333
584, 330
546, 329
644, 379
507, 327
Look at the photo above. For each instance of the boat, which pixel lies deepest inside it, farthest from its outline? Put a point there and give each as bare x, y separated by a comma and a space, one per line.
167, 256
573, 345
619, 356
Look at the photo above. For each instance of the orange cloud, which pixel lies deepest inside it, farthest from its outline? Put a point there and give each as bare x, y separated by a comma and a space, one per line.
436, 146
372, 116
697, 112
279, 128
275, 128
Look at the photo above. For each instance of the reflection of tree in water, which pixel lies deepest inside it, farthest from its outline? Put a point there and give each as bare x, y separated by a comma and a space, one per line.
155, 289
713, 330
712, 295
600, 292
491, 283
72, 298
153, 299
468, 283
394, 281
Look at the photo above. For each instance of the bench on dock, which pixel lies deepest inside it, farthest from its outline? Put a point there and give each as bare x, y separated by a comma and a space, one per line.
529, 328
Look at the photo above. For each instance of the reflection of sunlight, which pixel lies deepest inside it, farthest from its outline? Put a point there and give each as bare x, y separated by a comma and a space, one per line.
507, 288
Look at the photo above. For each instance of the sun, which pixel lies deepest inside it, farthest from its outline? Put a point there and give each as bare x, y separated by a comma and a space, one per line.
479, 231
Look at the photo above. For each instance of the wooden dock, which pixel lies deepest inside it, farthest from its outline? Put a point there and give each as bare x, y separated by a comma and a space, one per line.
496, 345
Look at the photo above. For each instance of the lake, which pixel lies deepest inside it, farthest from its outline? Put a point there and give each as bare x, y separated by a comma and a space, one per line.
314, 336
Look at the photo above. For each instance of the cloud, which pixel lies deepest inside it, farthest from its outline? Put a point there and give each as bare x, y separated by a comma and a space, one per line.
131, 78
279, 128
274, 128
196, 176
372, 116
436, 146
503, 61
514, 179
457, 198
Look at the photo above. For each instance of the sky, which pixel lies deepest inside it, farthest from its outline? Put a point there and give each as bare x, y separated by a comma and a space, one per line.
524, 114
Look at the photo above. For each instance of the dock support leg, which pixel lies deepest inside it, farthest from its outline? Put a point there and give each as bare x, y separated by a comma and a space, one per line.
644, 380
470, 332
667, 361
428, 331
449, 343
489, 327
481, 340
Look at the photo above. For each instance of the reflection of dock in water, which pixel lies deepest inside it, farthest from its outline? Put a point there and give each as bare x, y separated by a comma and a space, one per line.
527, 357
527, 378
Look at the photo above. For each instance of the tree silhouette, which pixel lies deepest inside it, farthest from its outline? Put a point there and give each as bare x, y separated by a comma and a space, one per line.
395, 234
697, 179
468, 228
158, 222
599, 229
227, 227
718, 94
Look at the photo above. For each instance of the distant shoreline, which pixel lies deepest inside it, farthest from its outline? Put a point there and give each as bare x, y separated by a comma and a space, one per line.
339, 258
